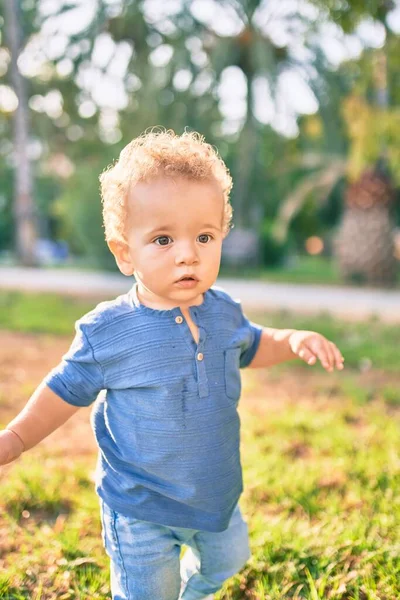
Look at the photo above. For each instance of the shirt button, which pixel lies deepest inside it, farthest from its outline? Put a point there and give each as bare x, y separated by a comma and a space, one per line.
200, 356
178, 320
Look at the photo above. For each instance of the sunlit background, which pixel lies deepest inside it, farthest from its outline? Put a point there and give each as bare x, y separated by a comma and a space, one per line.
299, 97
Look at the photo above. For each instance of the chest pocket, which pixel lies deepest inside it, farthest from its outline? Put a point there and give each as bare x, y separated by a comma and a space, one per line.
232, 373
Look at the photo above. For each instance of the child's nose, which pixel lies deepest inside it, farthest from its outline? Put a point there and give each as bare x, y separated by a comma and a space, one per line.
186, 253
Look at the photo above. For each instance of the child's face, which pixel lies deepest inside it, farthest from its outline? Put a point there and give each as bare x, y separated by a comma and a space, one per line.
174, 228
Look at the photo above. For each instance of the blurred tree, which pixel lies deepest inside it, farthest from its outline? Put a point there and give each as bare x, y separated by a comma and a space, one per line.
100, 73
24, 212
365, 239
261, 59
264, 53
81, 218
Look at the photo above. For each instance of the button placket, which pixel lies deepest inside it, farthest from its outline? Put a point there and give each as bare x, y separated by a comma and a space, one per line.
185, 331
202, 380
198, 355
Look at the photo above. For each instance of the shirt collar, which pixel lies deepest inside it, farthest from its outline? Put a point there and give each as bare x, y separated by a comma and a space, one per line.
167, 312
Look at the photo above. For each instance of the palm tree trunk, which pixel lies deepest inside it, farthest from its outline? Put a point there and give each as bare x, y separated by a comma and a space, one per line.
23, 206
365, 241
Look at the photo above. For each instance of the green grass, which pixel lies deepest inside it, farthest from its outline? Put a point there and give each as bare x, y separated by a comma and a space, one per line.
321, 477
322, 499
319, 270
301, 269
41, 313
53, 535
325, 521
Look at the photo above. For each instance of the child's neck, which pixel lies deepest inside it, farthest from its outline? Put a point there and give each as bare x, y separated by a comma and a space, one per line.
165, 304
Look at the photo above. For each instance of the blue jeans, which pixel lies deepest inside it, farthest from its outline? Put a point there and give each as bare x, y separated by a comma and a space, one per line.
145, 557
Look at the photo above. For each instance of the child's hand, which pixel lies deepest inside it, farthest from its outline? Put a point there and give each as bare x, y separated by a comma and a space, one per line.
11, 447
310, 346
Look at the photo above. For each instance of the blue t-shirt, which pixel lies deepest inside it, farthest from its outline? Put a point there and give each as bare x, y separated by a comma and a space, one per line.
166, 420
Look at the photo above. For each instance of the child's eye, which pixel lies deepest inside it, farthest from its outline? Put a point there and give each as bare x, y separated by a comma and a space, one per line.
203, 238
204, 235
162, 237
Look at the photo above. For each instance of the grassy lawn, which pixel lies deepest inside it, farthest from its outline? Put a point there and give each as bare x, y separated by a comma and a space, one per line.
319, 270
320, 456
301, 269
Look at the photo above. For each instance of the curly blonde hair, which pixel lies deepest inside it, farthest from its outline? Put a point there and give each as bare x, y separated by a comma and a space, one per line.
157, 153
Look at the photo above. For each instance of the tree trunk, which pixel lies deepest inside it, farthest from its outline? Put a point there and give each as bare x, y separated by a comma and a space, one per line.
242, 246
23, 207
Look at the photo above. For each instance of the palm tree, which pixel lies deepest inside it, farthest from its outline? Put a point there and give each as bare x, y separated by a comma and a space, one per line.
364, 245
364, 241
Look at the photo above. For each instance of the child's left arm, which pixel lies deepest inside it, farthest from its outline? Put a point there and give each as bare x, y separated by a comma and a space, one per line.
279, 345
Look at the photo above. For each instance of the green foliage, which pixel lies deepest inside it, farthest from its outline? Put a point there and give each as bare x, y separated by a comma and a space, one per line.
6, 217
306, 223
263, 175
330, 211
348, 15
372, 131
80, 209
273, 252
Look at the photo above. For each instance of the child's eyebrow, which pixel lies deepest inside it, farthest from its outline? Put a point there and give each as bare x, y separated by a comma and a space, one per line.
171, 227
161, 228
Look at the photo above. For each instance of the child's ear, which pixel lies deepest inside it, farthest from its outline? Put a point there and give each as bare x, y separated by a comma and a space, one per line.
122, 257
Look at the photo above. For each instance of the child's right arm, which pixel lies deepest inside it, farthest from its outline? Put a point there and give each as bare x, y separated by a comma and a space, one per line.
76, 381
43, 414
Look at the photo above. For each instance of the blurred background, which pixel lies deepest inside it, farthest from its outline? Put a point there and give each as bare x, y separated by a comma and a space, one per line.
299, 96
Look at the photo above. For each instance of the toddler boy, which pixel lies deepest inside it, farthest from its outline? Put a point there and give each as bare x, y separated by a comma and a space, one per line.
163, 364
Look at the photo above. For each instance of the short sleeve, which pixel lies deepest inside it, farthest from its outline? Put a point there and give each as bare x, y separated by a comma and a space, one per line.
78, 378
250, 340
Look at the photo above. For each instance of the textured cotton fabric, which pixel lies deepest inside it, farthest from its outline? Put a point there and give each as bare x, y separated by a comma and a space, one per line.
166, 420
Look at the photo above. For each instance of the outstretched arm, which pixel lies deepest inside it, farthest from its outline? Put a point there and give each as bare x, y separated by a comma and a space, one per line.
279, 345
43, 414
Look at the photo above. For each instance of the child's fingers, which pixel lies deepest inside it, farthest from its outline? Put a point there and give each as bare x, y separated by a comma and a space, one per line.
307, 356
331, 355
338, 356
325, 354
324, 357
328, 354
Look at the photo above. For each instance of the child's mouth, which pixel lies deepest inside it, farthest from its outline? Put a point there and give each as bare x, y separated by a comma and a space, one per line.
187, 282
